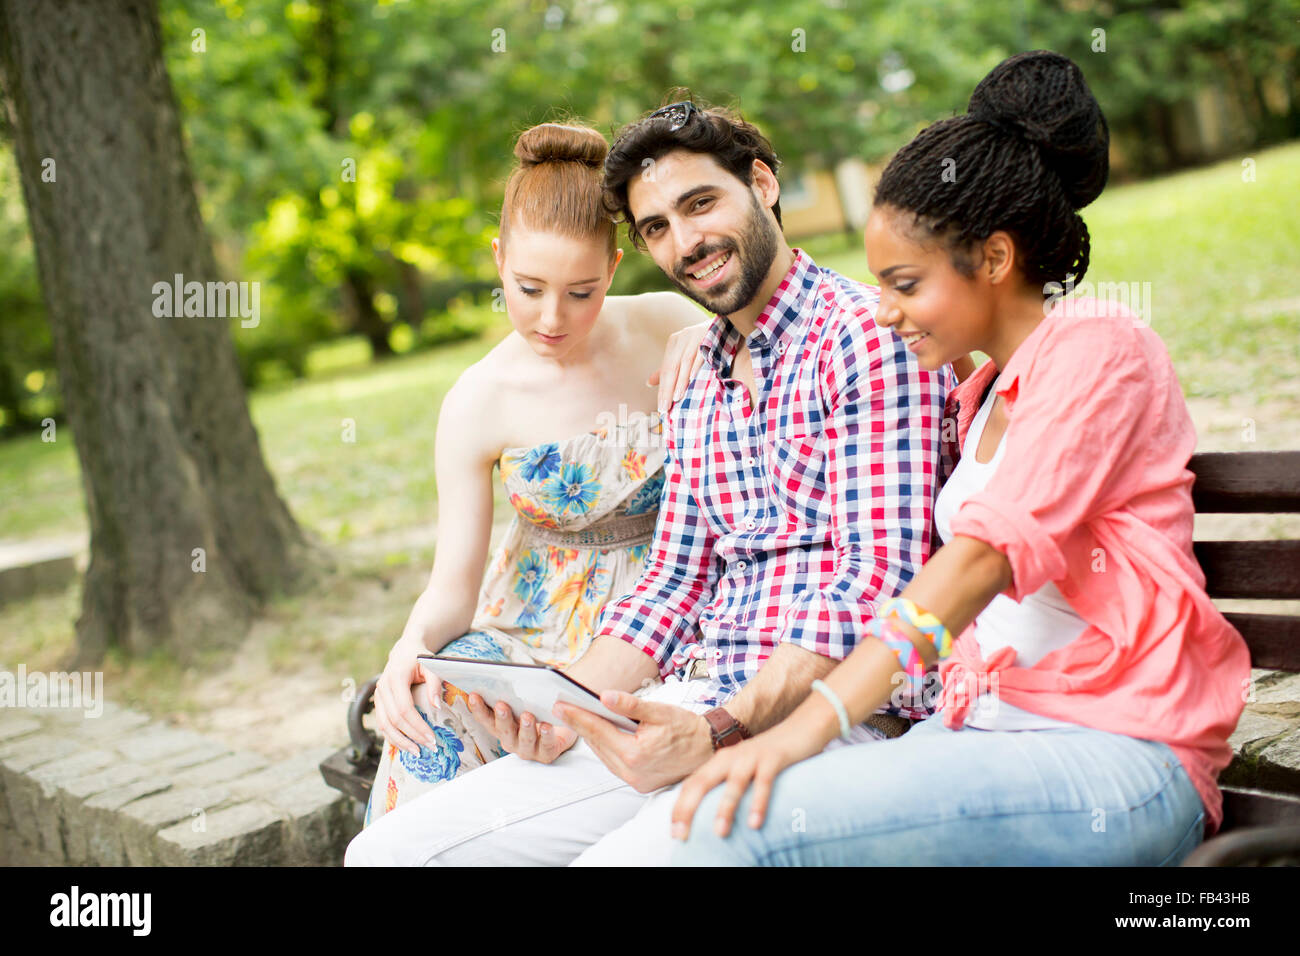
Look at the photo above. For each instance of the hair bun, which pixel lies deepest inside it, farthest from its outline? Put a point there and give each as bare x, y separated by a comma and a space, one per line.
557, 143
1043, 98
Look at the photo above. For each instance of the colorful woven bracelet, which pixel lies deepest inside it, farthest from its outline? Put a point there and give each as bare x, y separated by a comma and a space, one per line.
888, 626
896, 639
921, 619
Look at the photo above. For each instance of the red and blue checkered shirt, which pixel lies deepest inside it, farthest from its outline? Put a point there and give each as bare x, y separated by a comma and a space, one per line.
786, 521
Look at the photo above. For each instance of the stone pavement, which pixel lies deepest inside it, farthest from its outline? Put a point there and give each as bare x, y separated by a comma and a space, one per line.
124, 789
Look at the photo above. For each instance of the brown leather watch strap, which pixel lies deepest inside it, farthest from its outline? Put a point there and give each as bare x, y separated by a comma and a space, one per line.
891, 725
724, 728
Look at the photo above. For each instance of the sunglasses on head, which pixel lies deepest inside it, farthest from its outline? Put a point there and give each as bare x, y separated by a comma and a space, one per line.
677, 114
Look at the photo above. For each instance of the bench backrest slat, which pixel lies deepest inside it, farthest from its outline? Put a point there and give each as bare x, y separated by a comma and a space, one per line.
1263, 570
1247, 482
1273, 639
1256, 482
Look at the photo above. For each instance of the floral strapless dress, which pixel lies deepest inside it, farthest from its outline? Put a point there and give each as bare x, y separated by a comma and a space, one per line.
585, 512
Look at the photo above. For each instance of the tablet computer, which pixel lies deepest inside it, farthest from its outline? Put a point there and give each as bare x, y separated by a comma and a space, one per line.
534, 688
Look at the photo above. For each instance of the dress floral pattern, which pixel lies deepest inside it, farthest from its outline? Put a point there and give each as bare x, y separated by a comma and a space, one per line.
543, 590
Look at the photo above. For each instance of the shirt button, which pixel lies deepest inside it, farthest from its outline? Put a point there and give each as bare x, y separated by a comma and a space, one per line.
741, 565
780, 349
752, 461
751, 524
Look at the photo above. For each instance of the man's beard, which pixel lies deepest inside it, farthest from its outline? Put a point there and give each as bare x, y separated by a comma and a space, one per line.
757, 252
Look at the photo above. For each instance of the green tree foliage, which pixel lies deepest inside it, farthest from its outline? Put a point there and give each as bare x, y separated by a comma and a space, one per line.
351, 155
28, 389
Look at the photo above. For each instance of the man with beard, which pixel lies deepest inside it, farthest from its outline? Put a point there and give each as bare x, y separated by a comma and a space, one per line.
798, 487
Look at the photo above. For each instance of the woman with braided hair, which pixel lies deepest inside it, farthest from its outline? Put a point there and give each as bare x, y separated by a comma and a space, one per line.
1089, 693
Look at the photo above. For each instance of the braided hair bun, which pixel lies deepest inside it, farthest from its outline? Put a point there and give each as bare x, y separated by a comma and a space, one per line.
1043, 97
1032, 150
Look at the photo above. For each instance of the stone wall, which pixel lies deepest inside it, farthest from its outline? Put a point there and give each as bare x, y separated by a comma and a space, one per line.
123, 789
1266, 744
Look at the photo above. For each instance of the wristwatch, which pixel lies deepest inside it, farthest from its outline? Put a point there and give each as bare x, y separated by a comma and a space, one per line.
725, 729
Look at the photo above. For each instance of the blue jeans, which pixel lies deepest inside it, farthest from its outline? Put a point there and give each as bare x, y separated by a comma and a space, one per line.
941, 797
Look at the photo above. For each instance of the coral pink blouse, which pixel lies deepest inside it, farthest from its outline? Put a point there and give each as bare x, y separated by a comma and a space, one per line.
1093, 494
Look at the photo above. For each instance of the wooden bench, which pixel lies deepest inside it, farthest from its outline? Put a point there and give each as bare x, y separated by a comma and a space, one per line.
1261, 817
1261, 822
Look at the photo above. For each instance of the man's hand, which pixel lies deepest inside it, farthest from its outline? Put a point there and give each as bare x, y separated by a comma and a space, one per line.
525, 738
682, 359
669, 743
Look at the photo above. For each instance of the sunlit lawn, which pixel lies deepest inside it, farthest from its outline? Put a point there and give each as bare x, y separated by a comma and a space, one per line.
380, 479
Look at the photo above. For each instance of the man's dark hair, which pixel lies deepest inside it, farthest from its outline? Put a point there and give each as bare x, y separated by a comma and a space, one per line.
717, 131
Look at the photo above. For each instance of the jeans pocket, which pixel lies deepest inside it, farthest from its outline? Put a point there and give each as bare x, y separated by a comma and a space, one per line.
1191, 840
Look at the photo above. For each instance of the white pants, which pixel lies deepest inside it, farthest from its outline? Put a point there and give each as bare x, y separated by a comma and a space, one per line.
515, 812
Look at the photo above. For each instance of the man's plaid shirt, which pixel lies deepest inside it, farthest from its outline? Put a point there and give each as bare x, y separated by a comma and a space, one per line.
787, 521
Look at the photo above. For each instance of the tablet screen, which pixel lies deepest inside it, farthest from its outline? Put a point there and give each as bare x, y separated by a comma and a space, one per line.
531, 688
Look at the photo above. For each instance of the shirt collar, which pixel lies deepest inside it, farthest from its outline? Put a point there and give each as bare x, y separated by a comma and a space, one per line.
968, 396
777, 323
1023, 357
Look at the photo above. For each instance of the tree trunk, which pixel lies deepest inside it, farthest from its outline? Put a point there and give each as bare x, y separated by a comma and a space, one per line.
411, 303
169, 458
1162, 124
359, 302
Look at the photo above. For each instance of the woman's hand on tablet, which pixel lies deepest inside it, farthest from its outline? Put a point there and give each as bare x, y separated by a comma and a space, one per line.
525, 737
395, 714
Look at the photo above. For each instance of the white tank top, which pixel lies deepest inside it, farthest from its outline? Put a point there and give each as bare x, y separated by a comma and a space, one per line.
1038, 625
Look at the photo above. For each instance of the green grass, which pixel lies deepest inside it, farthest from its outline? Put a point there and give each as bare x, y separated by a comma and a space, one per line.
382, 480
41, 487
